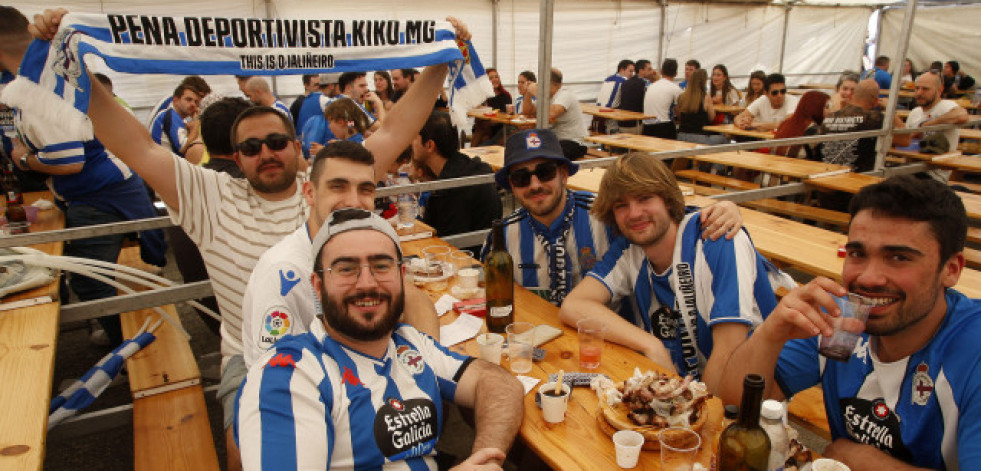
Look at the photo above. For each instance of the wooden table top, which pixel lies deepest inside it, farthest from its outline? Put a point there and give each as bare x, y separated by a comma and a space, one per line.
967, 133
502, 118
578, 443
914, 155
774, 164
731, 129
28, 338
640, 142
847, 182
612, 113
729, 109
962, 163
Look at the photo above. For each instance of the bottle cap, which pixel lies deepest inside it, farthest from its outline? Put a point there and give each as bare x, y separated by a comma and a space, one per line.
732, 412
772, 410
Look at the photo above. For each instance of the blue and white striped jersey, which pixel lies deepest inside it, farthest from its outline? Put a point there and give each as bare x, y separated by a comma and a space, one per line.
729, 281
168, 130
312, 403
279, 106
924, 409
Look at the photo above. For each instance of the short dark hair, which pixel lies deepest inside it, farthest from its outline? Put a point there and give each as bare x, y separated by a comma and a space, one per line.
439, 129
623, 64
410, 74
308, 77
925, 200
698, 65
341, 150
348, 78
216, 123
529, 75
13, 29
954, 66
669, 67
183, 87
254, 111
643, 63
556, 75
772, 79
881, 60
197, 83
936, 65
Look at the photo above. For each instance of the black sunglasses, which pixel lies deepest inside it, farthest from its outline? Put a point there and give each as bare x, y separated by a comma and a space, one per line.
544, 171
782, 91
253, 145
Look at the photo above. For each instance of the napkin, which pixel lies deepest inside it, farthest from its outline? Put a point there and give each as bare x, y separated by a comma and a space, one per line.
462, 329
443, 305
528, 382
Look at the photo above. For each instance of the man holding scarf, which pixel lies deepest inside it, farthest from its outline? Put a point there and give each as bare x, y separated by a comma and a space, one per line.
693, 300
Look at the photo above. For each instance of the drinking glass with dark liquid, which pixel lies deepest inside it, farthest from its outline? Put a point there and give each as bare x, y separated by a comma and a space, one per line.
848, 327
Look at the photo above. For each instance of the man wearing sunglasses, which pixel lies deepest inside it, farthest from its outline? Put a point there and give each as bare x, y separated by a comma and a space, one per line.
233, 221
767, 111
552, 237
360, 389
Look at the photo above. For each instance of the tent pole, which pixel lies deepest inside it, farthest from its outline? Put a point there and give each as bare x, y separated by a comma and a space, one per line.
884, 142
496, 19
275, 82
878, 34
544, 62
660, 36
783, 40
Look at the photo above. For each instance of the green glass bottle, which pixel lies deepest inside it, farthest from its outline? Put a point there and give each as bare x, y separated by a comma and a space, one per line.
744, 445
499, 282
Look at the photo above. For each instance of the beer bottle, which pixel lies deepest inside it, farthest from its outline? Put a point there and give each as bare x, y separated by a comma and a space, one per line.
499, 282
744, 445
11, 190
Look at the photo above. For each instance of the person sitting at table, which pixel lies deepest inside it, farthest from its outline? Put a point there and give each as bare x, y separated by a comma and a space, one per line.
342, 119
487, 132
693, 300
690, 67
632, 94
695, 111
754, 88
908, 395
844, 90
659, 102
769, 110
956, 81
807, 116
524, 78
880, 73
609, 92
361, 389
932, 110
722, 91
552, 235
564, 115
908, 74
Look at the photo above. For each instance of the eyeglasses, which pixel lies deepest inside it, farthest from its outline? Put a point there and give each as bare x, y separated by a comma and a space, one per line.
544, 171
782, 91
348, 272
252, 146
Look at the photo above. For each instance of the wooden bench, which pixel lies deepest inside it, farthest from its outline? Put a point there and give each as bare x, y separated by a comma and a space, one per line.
787, 208
973, 257
974, 235
696, 177
171, 430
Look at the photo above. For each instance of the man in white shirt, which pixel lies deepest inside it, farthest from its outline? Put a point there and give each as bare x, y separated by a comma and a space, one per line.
931, 110
659, 101
564, 114
766, 113
609, 93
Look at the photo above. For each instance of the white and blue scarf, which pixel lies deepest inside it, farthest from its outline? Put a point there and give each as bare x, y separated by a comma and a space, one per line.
53, 82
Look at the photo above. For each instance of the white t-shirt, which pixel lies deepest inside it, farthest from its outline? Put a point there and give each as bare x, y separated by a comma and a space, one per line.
659, 100
919, 116
232, 226
764, 113
279, 298
569, 124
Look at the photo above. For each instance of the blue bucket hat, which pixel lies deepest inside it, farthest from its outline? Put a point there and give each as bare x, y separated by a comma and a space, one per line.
531, 144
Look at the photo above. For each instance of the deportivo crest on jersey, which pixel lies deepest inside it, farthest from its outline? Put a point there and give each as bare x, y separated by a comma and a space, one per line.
287, 280
922, 385
407, 430
587, 259
410, 359
873, 423
66, 62
532, 141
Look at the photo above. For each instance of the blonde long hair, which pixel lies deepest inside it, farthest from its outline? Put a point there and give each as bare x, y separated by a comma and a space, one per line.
693, 98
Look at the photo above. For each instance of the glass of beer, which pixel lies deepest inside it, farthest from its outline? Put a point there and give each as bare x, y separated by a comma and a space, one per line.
848, 327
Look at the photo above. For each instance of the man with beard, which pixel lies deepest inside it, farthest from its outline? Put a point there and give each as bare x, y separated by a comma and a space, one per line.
693, 300
932, 110
379, 384
169, 128
279, 299
909, 395
552, 237
233, 221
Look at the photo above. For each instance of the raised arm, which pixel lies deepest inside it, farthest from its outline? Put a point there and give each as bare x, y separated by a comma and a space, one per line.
497, 399
589, 300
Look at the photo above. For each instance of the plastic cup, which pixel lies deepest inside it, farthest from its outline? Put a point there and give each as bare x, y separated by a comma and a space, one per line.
848, 327
591, 334
827, 464
14, 228
554, 406
678, 448
463, 260
510, 109
520, 346
627, 444
408, 210
491, 346
439, 267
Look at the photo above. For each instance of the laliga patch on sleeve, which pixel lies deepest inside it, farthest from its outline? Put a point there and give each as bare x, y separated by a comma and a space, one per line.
276, 323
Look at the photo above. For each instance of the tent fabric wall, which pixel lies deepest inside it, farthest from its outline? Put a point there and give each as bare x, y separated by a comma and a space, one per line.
825, 40
939, 33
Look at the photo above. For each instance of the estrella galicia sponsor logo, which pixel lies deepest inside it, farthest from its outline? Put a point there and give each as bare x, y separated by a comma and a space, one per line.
287, 280
873, 423
665, 323
405, 429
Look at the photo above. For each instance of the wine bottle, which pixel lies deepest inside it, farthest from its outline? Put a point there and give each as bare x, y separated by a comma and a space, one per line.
14, 197
744, 445
499, 282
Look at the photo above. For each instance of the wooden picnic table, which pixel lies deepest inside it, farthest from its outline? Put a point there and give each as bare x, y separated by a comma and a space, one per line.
28, 338
640, 142
967, 133
957, 162
501, 117
733, 130
729, 109
847, 182
578, 443
774, 164
612, 113
914, 155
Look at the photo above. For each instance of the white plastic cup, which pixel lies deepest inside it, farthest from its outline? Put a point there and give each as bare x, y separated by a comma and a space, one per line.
678, 448
554, 407
627, 444
468, 278
521, 346
491, 346
828, 464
